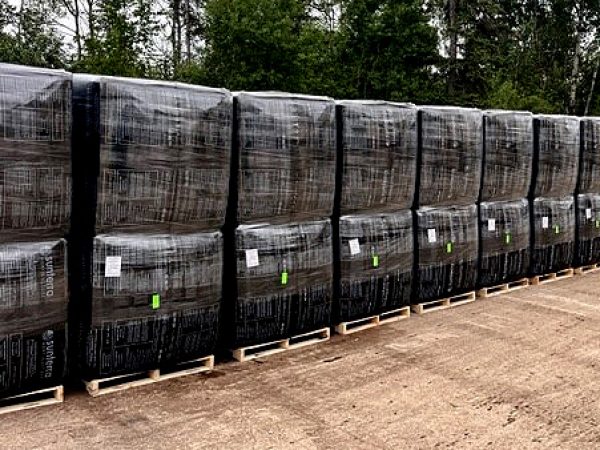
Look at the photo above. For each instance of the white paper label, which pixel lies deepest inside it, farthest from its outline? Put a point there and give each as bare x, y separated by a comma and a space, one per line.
252, 257
588, 213
431, 235
354, 246
491, 224
112, 266
545, 222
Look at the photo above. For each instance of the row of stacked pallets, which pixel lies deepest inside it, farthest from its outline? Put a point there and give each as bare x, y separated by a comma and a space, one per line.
148, 226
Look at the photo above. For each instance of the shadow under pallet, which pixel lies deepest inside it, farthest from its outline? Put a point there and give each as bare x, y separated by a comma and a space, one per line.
354, 326
102, 386
33, 399
251, 352
444, 303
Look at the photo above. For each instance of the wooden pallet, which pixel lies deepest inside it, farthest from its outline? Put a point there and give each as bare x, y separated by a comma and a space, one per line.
34, 399
251, 352
444, 303
354, 326
102, 386
503, 288
591, 268
552, 276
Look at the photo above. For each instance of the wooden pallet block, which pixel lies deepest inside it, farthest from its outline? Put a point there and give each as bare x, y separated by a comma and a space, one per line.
354, 326
251, 352
552, 276
499, 289
103, 386
444, 303
583, 270
33, 399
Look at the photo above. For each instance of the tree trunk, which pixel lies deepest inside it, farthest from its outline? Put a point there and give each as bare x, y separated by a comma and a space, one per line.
77, 28
575, 70
188, 32
593, 86
453, 49
176, 33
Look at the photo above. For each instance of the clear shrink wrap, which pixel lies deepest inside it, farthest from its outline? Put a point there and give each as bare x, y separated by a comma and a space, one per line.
588, 229
376, 264
553, 244
33, 316
286, 147
589, 172
153, 156
508, 155
447, 251
379, 156
284, 280
154, 301
556, 163
451, 156
504, 232
35, 153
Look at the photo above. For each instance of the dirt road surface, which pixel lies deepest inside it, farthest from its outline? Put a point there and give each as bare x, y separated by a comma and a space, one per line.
521, 370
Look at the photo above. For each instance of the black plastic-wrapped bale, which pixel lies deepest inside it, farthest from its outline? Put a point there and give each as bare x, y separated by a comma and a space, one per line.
379, 156
556, 163
504, 231
588, 229
33, 316
153, 156
553, 245
589, 172
508, 155
284, 281
446, 257
287, 157
376, 264
155, 301
451, 156
35, 153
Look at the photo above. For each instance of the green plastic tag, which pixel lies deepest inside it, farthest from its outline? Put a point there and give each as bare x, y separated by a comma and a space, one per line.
449, 247
375, 261
284, 278
597, 223
155, 301
507, 238
556, 229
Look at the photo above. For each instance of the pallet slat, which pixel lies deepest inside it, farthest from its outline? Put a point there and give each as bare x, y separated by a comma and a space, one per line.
504, 288
251, 352
103, 386
354, 326
552, 276
444, 303
50, 396
591, 268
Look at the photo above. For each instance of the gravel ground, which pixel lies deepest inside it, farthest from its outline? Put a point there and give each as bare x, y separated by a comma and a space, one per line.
519, 370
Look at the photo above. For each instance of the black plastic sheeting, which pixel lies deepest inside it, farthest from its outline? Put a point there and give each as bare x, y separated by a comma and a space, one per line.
504, 232
152, 156
33, 316
508, 155
451, 156
379, 156
152, 164
155, 301
553, 243
376, 264
287, 157
35, 153
589, 171
588, 229
557, 141
447, 251
284, 281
